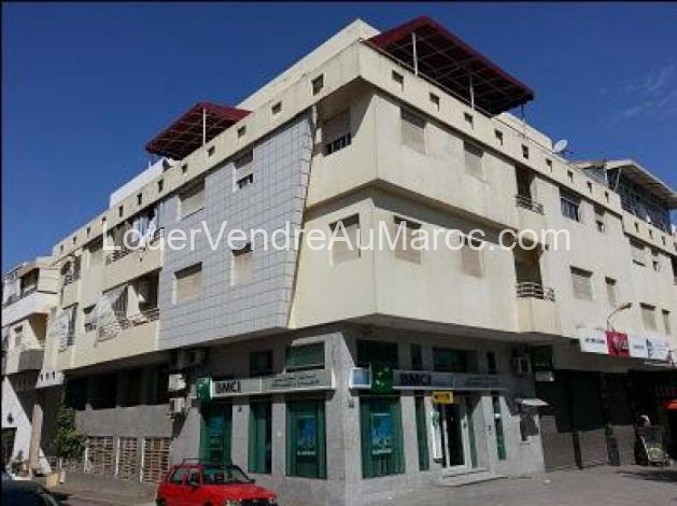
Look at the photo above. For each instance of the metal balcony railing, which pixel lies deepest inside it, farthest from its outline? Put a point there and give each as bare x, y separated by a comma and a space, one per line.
529, 289
527, 203
122, 322
123, 251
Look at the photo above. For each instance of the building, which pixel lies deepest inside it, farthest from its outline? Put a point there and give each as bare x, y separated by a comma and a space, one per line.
348, 376
31, 389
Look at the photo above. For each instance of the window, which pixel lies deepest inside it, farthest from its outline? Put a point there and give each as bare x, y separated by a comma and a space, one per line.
242, 268
343, 250
606, 196
471, 257
241, 132
211, 150
666, 321
600, 219
374, 352
192, 199
18, 335
581, 282
88, 320
655, 260
649, 316
179, 475
499, 136
187, 283
336, 133
121, 210
413, 131
95, 250
548, 164
525, 151
404, 249
421, 433
416, 357
244, 171
260, 363
448, 360
611, 292
276, 109
184, 168
139, 199
306, 356
160, 185
306, 439
570, 204
435, 101
570, 175
473, 159
498, 423
317, 84
491, 363
638, 253
89, 231
589, 184
469, 120
398, 78
260, 437
381, 436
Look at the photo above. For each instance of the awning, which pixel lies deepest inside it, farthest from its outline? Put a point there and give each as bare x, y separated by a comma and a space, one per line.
201, 123
531, 402
671, 405
445, 59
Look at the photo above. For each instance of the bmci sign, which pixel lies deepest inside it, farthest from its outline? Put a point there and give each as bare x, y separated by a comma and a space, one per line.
415, 379
227, 387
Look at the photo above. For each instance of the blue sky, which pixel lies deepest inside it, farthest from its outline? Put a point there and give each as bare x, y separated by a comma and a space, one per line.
85, 86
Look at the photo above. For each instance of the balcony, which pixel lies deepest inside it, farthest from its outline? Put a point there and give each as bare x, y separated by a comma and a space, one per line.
22, 359
125, 264
524, 202
530, 214
536, 309
26, 304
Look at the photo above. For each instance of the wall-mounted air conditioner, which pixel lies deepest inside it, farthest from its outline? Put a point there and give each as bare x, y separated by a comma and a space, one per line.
177, 405
177, 382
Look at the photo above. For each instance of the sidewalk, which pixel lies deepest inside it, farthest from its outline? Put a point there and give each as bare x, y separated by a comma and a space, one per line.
74, 497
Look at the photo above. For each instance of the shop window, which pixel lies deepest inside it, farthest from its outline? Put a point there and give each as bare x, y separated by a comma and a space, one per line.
157, 385
104, 391
306, 439
260, 437
216, 433
260, 363
307, 356
413, 131
421, 434
416, 357
377, 352
131, 391
76, 393
381, 436
448, 360
498, 423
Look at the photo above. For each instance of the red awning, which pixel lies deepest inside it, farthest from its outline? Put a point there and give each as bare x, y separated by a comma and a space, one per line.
184, 136
671, 405
447, 60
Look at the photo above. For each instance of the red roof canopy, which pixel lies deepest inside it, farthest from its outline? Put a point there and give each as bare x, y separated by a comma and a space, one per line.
184, 136
447, 60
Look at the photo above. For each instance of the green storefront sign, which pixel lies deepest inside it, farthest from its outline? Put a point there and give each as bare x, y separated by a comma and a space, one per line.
382, 379
204, 389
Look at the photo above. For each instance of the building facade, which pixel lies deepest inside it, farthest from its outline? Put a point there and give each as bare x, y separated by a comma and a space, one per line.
349, 375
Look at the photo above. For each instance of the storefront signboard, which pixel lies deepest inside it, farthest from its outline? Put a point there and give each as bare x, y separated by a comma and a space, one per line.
428, 380
445, 397
617, 344
651, 348
592, 341
321, 379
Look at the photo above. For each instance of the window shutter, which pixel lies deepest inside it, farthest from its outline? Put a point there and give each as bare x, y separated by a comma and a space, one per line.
413, 131
341, 251
188, 283
649, 317
473, 159
637, 253
193, 199
244, 166
471, 260
666, 322
582, 283
410, 254
611, 291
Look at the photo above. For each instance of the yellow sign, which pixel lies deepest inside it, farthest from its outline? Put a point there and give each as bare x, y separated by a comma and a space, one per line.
443, 397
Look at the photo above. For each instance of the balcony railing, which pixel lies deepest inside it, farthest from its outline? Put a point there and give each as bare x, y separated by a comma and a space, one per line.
529, 289
71, 277
18, 296
123, 251
526, 203
123, 321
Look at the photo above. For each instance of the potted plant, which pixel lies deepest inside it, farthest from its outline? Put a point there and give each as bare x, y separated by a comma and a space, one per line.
69, 443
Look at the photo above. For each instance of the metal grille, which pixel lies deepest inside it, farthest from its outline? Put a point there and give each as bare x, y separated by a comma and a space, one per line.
128, 458
155, 459
100, 456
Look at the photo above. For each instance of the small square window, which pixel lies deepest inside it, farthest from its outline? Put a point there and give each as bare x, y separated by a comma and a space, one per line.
636, 227
89, 232
184, 168
277, 108
75, 239
317, 84
606, 196
548, 164
570, 175
590, 186
211, 150
398, 78
525, 151
121, 210
241, 132
469, 120
651, 233
435, 100
499, 136
139, 199
61, 248
160, 185
663, 240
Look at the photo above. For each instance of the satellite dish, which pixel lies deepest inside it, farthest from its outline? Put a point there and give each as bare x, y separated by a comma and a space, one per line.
561, 146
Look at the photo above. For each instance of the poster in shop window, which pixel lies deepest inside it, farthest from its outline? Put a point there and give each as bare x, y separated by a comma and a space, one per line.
305, 436
381, 434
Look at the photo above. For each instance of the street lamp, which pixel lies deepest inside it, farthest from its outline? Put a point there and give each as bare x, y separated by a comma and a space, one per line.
622, 307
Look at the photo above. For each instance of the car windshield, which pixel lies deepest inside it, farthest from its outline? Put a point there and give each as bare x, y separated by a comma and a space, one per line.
224, 475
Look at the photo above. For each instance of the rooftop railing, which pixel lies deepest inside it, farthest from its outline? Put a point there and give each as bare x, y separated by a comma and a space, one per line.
530, 289
527, 203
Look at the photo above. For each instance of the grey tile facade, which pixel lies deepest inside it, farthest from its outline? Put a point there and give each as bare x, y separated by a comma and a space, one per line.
281, 165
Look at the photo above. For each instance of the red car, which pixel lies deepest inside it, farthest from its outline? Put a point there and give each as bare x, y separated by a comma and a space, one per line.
202, 484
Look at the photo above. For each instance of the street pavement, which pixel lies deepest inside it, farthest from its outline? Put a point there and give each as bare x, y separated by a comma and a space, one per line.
598, 486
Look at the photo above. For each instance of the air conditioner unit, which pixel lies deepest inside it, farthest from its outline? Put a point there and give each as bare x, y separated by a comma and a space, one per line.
177, 405
182, 359
177, 382
360, 378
